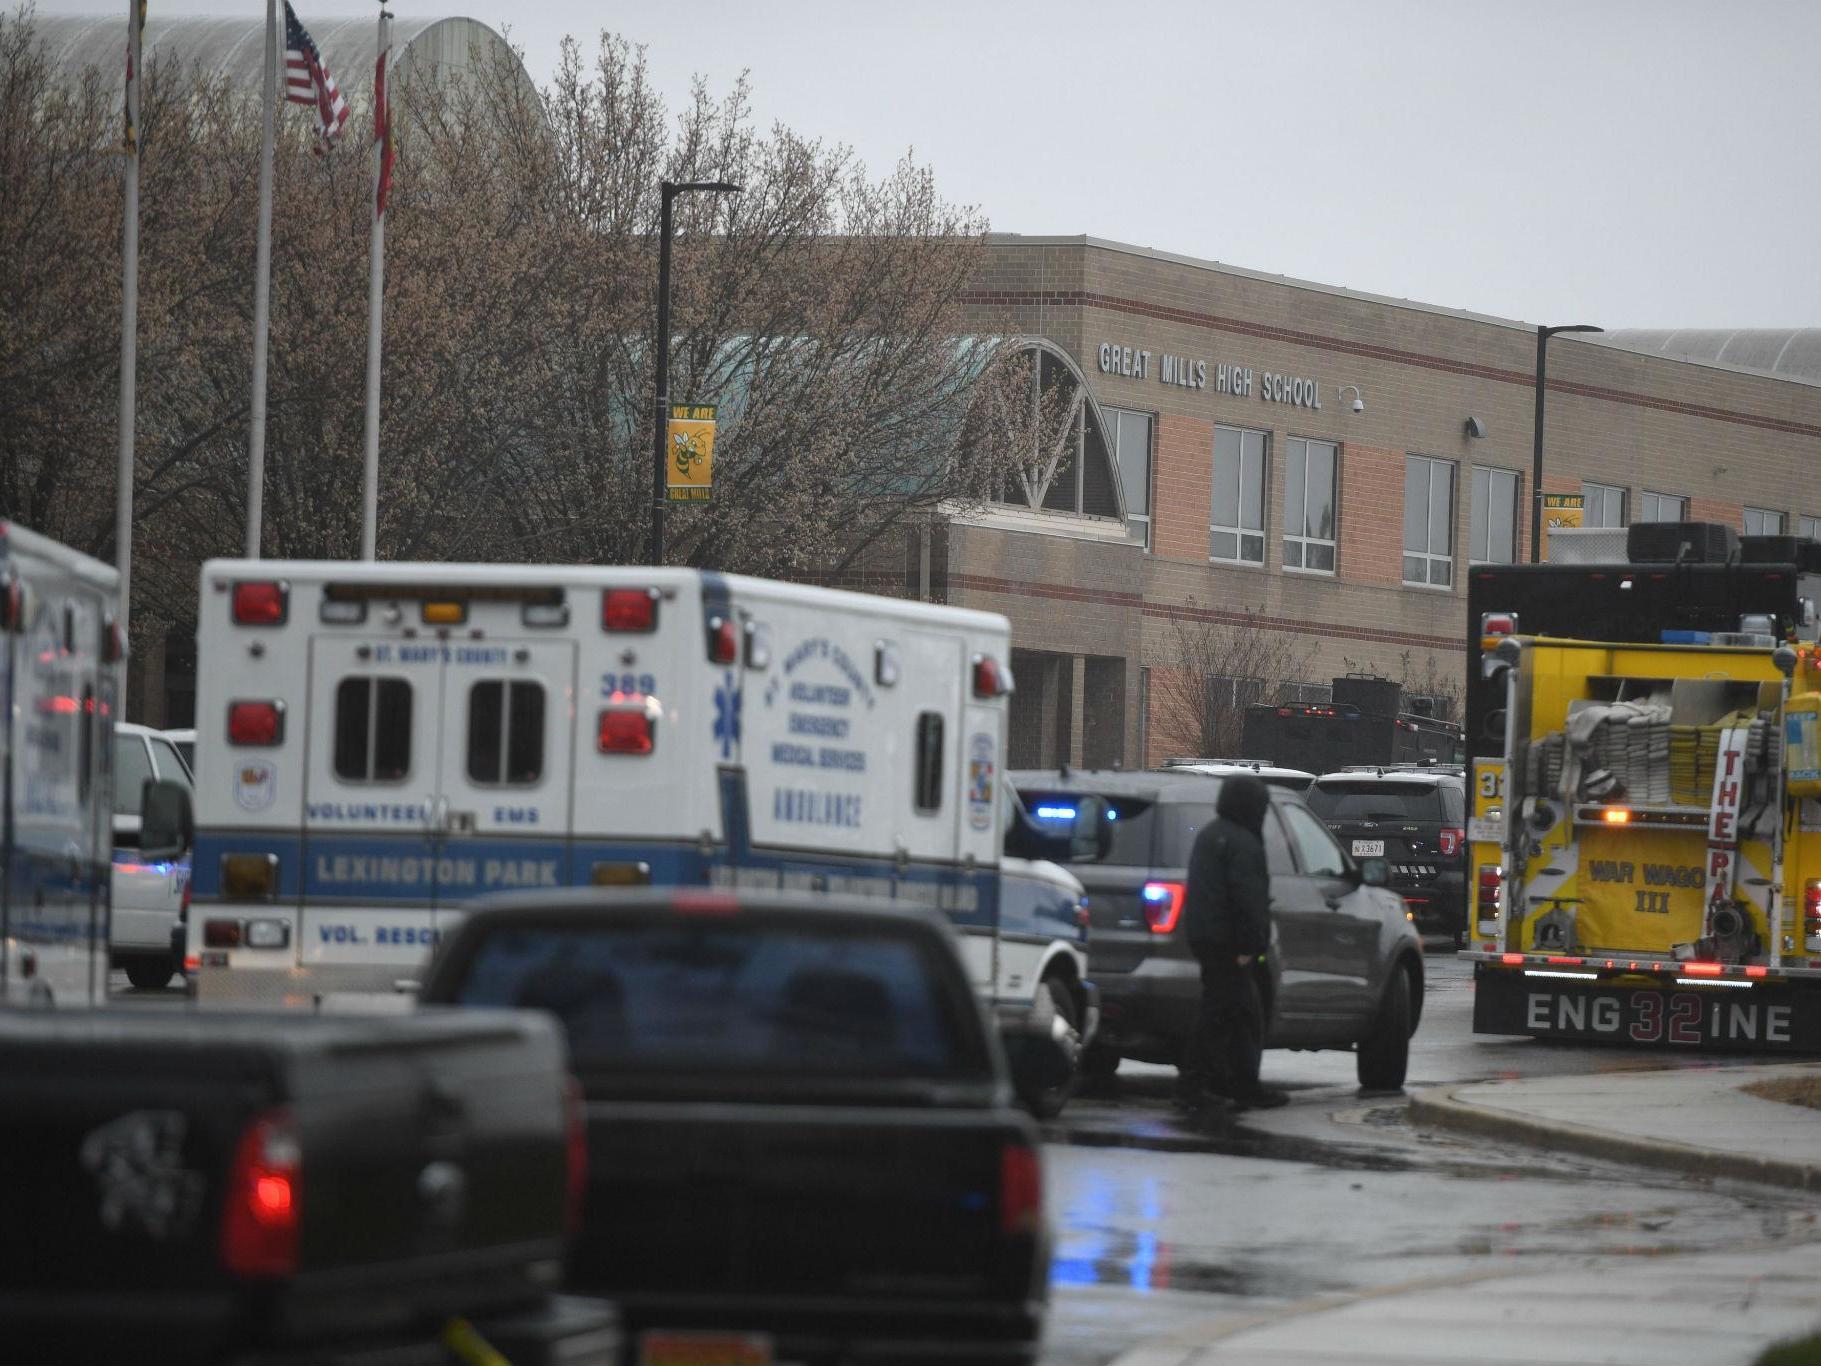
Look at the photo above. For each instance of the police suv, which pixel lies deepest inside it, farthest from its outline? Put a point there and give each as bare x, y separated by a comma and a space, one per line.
379, 743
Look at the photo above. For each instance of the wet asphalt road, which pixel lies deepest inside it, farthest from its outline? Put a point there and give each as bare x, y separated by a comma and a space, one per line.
1164, 1228
1337, 1194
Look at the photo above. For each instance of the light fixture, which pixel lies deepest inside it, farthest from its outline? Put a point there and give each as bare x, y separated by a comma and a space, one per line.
1359, 399
1475, 428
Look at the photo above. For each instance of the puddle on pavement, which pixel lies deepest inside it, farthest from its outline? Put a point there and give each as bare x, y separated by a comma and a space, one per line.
1142, 1262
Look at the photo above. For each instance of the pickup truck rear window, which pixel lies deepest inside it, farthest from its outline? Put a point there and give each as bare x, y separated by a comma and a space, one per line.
722, 998
1369, 801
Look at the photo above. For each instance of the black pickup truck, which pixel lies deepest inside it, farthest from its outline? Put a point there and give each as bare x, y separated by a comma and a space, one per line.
185, 1187
802, 1141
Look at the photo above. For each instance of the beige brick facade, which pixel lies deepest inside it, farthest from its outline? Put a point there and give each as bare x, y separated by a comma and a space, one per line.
1722, 438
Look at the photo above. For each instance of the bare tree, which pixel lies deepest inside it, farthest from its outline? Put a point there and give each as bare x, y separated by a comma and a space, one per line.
818, 310
1216, 668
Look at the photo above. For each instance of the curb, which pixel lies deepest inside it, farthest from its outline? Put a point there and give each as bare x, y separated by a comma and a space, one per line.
1443, 1109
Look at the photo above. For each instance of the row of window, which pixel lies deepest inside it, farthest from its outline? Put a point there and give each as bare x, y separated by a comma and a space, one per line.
1236, 530
506, 737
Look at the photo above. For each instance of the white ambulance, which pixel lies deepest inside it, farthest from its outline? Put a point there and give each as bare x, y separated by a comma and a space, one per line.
379, 743
59, 645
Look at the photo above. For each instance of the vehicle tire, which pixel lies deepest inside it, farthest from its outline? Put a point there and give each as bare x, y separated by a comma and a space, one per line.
150, 974
1098, 1062
1383, 1055
1047, 1102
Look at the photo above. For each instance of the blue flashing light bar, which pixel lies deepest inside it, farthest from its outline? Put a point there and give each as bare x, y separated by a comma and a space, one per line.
1056, 813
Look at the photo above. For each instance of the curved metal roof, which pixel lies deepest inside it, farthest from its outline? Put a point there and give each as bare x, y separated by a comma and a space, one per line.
1792, 352
235, 47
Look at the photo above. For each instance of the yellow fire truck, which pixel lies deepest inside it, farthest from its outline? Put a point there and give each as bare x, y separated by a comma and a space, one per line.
1646, 841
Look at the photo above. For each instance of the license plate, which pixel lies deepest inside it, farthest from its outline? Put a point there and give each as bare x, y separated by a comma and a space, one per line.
1368, 848
704, 1349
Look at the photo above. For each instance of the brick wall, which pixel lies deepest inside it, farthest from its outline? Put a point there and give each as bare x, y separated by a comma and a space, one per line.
1371, 515
1717, 437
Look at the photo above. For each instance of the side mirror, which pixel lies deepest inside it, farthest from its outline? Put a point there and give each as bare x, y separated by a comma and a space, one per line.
1374, 872
167, 826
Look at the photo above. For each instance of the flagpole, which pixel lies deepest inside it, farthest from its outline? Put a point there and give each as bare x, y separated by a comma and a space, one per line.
262, 290
129, 332
376, 291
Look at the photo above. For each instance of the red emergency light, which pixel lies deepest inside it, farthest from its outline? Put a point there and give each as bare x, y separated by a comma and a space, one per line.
261, 603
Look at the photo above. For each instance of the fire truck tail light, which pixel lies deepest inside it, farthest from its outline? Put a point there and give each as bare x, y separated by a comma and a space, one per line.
629, 609
256, 723
1163, 905
628, 730
991, 678
1492, 879
723, 639
261, 603
1811, 907
261, 1214
1616, 815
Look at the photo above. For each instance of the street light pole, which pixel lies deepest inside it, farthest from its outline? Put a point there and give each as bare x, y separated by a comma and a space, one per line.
667, 191
1543, 334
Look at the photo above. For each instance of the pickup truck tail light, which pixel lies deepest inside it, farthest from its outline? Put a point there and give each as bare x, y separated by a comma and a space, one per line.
262, 1210
1020, 1189
1163, 905
575, 1145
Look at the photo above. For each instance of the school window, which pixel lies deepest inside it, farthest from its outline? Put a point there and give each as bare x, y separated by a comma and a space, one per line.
1492, 528
1662, 507
372, 730
1309, 470
929, 762
1237, 531
506, 732
1131, 433
1428, 521
1810, 527
1602, 505
1763, 522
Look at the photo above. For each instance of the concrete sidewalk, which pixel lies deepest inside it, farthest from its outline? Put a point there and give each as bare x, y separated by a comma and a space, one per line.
1697, 1308
1693, 1120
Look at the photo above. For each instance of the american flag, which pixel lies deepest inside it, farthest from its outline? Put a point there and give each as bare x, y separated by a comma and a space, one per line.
307, 81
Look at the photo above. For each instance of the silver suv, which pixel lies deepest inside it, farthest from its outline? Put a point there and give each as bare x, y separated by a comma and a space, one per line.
1345, 967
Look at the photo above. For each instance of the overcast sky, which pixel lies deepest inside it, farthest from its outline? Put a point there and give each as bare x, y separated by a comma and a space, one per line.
1631, 163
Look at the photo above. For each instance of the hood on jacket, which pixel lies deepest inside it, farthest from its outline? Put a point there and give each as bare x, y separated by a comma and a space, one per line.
1244, 799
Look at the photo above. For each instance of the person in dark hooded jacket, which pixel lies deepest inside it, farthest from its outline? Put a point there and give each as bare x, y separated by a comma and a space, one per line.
1227, 921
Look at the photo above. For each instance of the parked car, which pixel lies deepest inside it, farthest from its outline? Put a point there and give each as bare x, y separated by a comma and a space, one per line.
1294, 779
1415, 818
1345, 967
149, 895
802, 1138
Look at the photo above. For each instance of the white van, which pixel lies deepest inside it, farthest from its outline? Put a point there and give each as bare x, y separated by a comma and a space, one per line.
148, 895
379, 743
